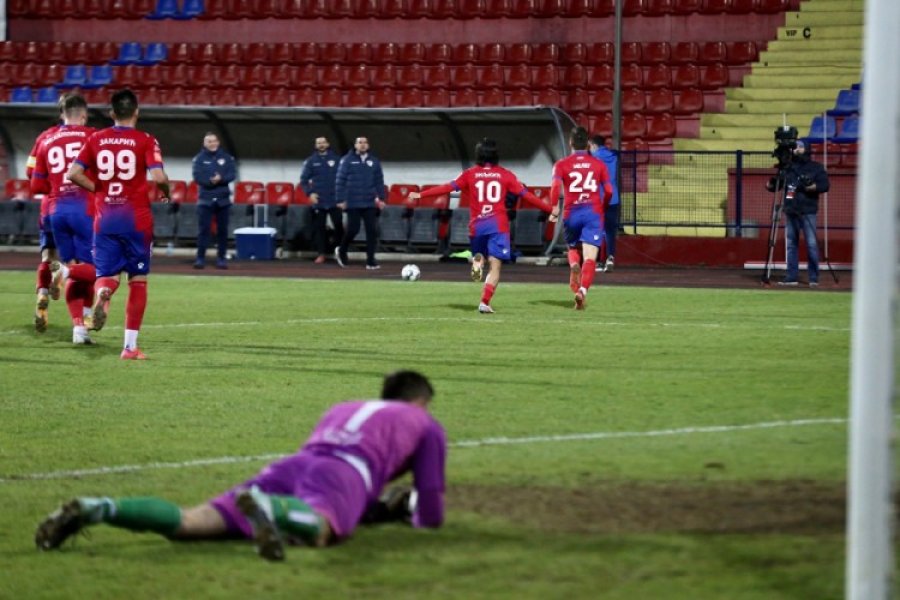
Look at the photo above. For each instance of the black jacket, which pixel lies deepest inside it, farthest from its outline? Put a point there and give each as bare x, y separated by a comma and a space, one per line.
797, 177
206, 165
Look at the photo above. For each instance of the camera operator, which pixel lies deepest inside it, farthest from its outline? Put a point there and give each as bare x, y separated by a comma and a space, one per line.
802, 180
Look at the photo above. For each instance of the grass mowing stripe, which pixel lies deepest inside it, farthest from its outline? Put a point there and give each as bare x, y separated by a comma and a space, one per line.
495, 441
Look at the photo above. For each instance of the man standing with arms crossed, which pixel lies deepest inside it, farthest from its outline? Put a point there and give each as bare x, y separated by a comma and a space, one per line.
580, 176
71, 209
318, 182
118, 158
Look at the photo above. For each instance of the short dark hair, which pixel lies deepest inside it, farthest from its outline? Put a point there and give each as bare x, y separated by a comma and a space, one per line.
406, 386
124, 104
579, 138
73, 103
598, 140
486, 152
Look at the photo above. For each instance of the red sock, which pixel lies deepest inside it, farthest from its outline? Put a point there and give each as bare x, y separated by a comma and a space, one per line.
587, 273
574, 256
137, 303
107, 282
83, 272
44, 275
88, 291
488, 293
75, 300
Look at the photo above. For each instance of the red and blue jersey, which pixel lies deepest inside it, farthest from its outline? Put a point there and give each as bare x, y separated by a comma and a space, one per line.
487, 187
118, 159
581, 177
55, 154
32, 160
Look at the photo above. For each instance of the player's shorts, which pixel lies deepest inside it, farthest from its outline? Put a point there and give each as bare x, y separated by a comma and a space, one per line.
332, 487
492, 244
45, 233
117, 252
73, 233
583, 225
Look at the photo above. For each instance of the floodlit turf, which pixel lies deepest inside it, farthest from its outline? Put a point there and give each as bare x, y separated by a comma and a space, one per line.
242, 367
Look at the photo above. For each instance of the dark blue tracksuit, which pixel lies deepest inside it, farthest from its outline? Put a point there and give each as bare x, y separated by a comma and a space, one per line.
318, 177
360, 181
214, 199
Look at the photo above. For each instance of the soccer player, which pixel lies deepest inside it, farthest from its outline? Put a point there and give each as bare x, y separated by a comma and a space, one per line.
487, 184
580, 176
119, 158
71, 209
48, 281
317, 496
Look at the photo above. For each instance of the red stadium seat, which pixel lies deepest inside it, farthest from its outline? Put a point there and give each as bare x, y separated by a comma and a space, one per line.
306, 97
255, 76
635, 152
465, 97
688, 102
772, 6
178, 190
249, 192
17, 189
206, 53
550, 8
392, 9
578, 101
388, 52
660, 127
601, 76
686, 76
418, 9
686, 7
574, 54
80, 53
398, 194
54, 52
306, 53
181, 53
439, 53
257, 53
464, 76
658, 76
518, 76
579, 8
357, 97
383, 98
359, 53
575, 76
359, 76
280, 97
339, 9
633, 100
601, 101
602, 125
304, 76
522, 9
413, 53
436, 98
631, 52
333, 52
492, 98
332, 75
151, 96
300, 197
741, 53
601, 53
632, 75
229, 76
491, 76
518, 53
658, 8
714, 7
410, 76
545, 76
465, 53
520, 97
231, 54
331, 97
491, 53
410, 98
654, 53
470, 9
685, 53
632, 8
279, 193
658, 101
714, 77
226, 97
742, 7
436, 76
545, 54
633, 126
711, 52
495, 9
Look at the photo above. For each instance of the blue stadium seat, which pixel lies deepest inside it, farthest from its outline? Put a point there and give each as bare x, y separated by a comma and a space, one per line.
190, 9
847, 103
821, 129
98, 76
75, 76
21, 94
849, 131
129, 53
165, 9
47, 95
154, 52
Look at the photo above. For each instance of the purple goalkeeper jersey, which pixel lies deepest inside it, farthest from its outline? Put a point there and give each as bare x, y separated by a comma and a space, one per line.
356, 448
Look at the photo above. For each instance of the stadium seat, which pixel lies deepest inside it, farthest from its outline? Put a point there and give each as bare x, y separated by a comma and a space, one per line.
255, 76
151, 96
713, 7
846, 103
545, 76
713, 52
305, 53
410, 98
249, 192
772, 6
660, 127
384, 76
256, 53
520, 97
412, 53
398, 194
465, 97
654, 53
383, 98
165, 9
601, 76
849, 155
279, 193
359, 76
300, 197
154, 52
578, 101
849, 133
631, 52
633, 126
688, 101
523, 9
465, 53
304, 76
180, 53
99, 76
393, 223
575, 54
547, 98
633, 100
714, 76
632, 75
657, 76
821, 129
436, 98
409, 76
129, 52
742, 53
359, 53
470, 9
333, 52
741, 7
55, 52
574, 76
518, 54
518, 76
388, 52
231, 54
331, 76
684, 53
17, 189
657, 8
686, 7
545, 54
190, 9
331, 97
686, 76
206, 53
439, 53
494, 53
601, 101
495, 9
436, 76
75, 76
464, 76
491, 76
660, 101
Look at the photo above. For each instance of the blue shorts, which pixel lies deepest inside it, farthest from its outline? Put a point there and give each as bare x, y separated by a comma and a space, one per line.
117, 252
73, 233
492, 244
45, 234
583, 225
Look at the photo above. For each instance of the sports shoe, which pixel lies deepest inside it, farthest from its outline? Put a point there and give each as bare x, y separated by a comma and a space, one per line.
134, 354
579, 299
574, 277
320, 259
477, 267
257, 507
80, 336
374, 267
485, 308
56, 279
101, 308
610, 263
59, 525
199, 264
813, 284
788, 282
40, 313
341, 259
222, 264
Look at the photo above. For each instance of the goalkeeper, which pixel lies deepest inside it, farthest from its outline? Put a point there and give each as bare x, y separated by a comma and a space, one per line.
315, 497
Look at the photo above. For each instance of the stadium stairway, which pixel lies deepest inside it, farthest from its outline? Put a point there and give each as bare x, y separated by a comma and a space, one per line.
816, 53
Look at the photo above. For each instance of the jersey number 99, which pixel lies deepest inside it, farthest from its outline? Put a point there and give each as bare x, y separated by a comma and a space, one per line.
121, 165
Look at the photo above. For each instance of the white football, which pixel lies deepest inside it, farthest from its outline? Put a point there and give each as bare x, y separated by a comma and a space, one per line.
410, 273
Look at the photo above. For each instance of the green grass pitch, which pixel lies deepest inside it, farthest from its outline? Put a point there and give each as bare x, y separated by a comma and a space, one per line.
556, 487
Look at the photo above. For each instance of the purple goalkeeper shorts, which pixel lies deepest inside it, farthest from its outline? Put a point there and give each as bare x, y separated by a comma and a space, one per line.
329, 485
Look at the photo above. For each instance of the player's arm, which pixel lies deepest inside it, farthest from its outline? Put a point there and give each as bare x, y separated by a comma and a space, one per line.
427, 502
32, 158
527, 196
39, 182
606, 181
229, 172
77, 176
435, 191
554, 199
161, 180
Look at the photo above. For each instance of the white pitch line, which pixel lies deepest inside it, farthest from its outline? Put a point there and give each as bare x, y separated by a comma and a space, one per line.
496, 441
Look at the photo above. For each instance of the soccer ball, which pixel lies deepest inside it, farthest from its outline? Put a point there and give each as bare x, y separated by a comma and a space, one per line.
410, 273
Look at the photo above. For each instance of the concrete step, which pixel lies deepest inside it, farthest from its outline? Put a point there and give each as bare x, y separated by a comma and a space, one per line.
832, 69
764, 80
827, 18
727, 145
769, 107
813, 56
655, 210
832, 5
821, 32
815, 43
754, 120
676, 231
824, 93
720, 132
